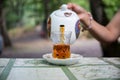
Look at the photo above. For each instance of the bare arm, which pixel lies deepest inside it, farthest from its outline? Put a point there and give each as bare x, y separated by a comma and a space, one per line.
104, 34
109, 33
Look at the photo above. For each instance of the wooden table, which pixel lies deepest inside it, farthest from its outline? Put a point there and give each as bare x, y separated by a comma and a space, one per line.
39, 69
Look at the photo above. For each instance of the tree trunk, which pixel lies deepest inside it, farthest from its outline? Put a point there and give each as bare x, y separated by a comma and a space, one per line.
97, 10
3, 30
46, 8
46, 11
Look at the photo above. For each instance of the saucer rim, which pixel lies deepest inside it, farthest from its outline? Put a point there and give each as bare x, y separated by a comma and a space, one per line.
78, 56
68, 61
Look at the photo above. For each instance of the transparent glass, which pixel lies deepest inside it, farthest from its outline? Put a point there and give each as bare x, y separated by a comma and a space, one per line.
61, 44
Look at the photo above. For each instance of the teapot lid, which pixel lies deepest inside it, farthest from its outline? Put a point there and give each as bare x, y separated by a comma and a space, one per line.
64, 12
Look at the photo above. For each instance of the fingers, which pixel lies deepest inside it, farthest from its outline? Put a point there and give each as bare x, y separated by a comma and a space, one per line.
69, 5
75, 8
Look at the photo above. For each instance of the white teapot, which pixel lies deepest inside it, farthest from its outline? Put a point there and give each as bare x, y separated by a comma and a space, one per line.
66, 17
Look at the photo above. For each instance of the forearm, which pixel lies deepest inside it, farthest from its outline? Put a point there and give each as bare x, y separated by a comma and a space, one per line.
101, 33
109, 33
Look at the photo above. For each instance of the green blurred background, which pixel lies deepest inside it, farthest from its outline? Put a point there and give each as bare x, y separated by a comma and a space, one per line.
28, 13
20, 16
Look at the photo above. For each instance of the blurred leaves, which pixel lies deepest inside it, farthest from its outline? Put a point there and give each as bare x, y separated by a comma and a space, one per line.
32, 12
111, 7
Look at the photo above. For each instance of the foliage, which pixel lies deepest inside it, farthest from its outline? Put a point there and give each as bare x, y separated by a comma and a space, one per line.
111, 7
32, 12
82, 3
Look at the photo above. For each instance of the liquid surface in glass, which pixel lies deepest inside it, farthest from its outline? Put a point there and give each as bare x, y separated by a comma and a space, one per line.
61, 50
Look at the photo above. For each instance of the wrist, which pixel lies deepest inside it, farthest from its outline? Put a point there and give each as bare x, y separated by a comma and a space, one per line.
87, 21
90, 21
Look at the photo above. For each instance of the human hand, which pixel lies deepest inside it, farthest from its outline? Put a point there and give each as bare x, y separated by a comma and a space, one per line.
76, 8
85, 17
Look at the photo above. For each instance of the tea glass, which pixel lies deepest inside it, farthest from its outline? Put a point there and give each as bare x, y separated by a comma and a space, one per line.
61, 44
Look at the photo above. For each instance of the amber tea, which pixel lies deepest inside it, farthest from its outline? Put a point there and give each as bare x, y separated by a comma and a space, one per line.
61, 47
61, 51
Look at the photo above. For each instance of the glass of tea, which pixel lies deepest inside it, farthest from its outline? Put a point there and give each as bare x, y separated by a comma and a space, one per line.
61, 46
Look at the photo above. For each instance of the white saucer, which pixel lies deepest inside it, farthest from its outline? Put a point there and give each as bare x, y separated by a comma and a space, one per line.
69, 61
